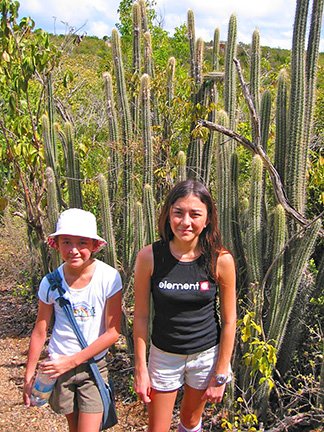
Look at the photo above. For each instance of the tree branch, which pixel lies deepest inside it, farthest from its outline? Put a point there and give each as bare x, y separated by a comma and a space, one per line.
257, 149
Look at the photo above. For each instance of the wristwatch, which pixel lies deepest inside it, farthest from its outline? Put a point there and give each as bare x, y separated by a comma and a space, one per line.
220, 379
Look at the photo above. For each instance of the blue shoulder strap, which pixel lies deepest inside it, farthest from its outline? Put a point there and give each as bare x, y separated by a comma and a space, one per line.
55, 282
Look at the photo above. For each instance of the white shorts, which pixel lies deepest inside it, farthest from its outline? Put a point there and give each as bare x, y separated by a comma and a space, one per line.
170, 371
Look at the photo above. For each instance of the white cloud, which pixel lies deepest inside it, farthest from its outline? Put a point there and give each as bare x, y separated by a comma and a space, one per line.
274, 18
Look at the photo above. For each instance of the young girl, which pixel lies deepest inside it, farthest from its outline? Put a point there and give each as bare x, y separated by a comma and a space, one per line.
183, 272
94, 290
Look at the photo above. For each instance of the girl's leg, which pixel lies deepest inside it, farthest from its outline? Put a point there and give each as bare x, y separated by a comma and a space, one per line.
160, 410
72, 420
192, 407
84, 422
89, 422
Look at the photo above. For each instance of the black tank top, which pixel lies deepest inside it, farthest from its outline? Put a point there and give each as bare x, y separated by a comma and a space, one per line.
184, 296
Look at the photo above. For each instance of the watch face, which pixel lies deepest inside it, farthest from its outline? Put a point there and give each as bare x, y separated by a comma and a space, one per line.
220, 379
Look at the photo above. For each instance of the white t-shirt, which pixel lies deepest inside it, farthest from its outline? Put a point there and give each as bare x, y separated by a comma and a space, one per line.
88, 305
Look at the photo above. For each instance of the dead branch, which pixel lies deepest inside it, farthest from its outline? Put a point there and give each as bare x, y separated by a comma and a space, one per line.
309, 418
257, 149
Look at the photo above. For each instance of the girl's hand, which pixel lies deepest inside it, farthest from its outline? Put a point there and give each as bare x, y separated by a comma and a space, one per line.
214, 393
142, 385
28, 385
59, 366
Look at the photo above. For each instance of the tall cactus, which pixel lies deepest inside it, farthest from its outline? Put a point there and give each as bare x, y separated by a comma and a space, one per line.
296, 144
277, 265
49, 145
72, 166
304, 248
107, 226
136, 65
311, 74
114, 139
230, 77
192, 41
139, 228
145, 25
194, 152
209, 147
215, 58
146, 129
254, 233
52, 211
281, 124
149, 69
127, 140
149, 213
255, 72
223, 164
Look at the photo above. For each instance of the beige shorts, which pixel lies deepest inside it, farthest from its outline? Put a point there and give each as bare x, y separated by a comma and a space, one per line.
170, 371
76, 390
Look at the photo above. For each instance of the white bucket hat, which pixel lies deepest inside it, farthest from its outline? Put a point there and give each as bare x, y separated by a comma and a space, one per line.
77, 222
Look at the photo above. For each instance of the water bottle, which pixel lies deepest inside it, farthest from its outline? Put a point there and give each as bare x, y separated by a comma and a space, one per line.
42, 388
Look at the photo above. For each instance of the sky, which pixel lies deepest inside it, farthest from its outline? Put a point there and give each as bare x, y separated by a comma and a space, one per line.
273, 18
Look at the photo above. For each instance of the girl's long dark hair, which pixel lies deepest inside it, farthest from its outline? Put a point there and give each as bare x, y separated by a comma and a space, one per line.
210, 240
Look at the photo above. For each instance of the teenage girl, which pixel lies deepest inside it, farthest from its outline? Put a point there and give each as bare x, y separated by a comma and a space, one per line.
187, 272
94, 290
